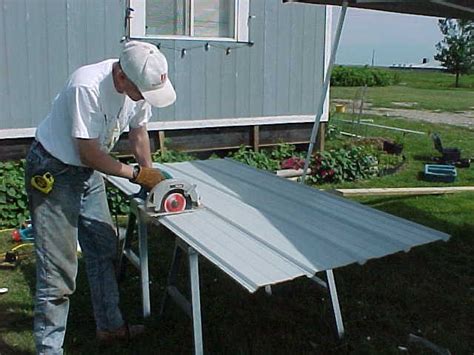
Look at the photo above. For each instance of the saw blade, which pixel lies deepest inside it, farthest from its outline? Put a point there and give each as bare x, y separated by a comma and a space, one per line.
174, 203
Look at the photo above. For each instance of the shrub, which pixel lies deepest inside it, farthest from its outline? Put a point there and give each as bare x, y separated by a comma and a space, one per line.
360, 76
343, 165
265, 159
170, 156
261, 160
13, 199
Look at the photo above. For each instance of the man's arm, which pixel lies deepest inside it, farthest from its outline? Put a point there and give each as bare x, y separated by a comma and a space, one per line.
93, 157
140, 145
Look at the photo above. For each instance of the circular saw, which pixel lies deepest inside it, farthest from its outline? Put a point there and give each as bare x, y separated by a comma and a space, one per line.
173, 196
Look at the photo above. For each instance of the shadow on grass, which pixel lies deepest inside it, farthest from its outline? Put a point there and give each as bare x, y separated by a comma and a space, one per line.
399, 206
14, 319
6, 349
424, 158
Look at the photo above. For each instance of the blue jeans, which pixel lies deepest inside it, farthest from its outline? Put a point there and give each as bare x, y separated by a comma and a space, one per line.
74, 210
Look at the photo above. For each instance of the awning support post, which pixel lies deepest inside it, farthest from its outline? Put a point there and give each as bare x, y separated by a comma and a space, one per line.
327, 80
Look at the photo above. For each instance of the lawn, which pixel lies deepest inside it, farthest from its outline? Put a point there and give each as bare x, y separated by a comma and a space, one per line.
429, 91
427, 291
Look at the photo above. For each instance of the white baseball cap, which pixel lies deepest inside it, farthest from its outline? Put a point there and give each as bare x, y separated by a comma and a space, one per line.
147, 68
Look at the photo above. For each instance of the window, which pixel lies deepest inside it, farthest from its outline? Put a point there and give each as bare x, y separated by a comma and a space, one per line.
220, 20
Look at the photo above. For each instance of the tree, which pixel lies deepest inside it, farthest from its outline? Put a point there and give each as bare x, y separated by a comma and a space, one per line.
456, 50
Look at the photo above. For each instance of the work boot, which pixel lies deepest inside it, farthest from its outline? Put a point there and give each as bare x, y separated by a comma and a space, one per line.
125, 333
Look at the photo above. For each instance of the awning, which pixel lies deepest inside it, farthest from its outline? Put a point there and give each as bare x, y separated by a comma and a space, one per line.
463, 9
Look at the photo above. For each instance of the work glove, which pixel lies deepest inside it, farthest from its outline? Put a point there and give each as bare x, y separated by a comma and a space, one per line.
148, 178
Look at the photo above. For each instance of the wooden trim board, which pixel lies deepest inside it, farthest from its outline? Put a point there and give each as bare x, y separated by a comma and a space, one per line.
403, 191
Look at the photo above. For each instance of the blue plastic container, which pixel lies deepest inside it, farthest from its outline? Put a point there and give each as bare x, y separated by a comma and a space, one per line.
440, 173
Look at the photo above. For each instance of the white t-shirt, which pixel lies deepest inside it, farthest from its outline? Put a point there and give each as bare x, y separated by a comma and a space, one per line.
89, 107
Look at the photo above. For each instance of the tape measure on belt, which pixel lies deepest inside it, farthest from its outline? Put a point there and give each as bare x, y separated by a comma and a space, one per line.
43, 183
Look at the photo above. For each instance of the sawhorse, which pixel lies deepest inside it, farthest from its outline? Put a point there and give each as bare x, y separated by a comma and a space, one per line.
138, 217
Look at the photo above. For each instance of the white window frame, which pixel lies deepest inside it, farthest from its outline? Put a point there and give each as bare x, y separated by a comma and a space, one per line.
137, 24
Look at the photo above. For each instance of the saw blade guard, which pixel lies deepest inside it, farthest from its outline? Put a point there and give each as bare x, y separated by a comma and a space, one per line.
173, 196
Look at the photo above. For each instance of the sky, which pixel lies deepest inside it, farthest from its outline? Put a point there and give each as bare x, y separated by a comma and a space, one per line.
396, 38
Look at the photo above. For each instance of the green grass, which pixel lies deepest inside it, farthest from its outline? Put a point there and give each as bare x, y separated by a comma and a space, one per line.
434, 80
429, 91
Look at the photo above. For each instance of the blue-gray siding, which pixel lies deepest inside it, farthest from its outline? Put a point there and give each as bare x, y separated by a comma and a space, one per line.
42, 42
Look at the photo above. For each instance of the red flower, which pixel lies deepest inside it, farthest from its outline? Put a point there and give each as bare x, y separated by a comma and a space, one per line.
292, 163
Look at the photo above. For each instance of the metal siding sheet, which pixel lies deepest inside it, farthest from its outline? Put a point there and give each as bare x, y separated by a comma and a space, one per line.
242, 78
37, 63
255, 85
228, 108
233, 250
197, 85
319, 59
296, 59
17, 59
308, 66
271, 44
113, 27
228, 84
76, 38
168, 48
283, 55
212, 83
5, 115
57, 70
95, 31
182, 77
261, 229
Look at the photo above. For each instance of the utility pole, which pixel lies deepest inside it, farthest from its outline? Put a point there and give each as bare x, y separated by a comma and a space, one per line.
373, 57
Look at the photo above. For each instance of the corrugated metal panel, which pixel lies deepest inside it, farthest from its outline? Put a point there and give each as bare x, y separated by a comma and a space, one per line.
44, 41
17, 62
56, 70
262, 229
36, 42
270, 68
4, 86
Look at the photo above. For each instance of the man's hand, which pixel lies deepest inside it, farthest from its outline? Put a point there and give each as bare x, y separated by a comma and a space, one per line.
147, 177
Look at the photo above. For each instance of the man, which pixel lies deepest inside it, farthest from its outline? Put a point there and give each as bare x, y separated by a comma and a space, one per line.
66, 193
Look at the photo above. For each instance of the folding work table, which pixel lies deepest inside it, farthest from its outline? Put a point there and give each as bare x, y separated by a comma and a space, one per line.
261, 230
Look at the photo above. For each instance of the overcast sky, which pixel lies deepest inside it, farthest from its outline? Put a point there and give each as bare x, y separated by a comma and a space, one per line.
396, 38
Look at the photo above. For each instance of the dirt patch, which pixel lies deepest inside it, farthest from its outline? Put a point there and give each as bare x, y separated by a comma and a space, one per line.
376, 142
405, 104
465, 119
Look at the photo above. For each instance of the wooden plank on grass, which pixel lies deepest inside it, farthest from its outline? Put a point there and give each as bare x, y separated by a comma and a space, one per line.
404, 191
